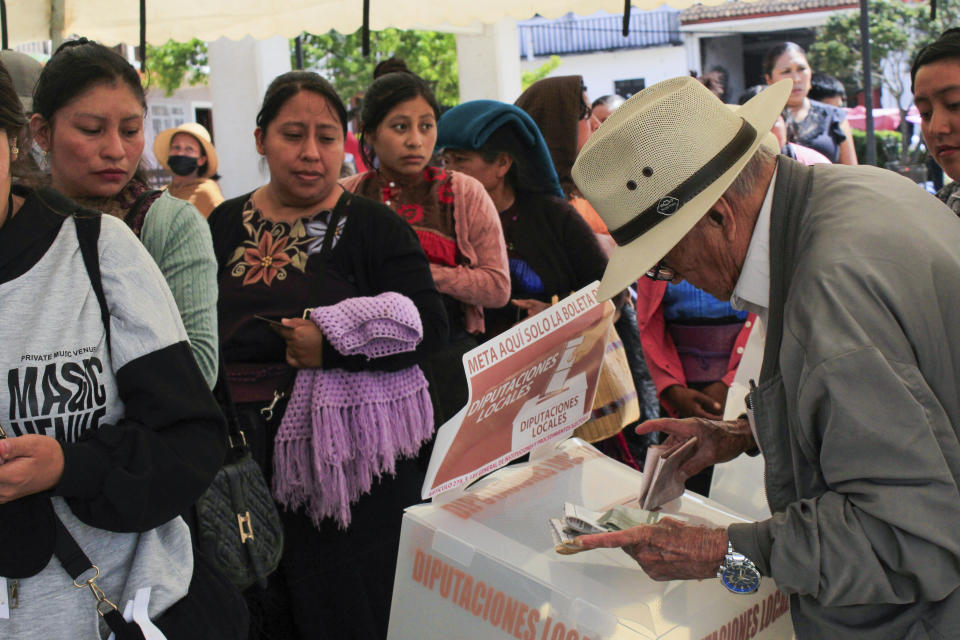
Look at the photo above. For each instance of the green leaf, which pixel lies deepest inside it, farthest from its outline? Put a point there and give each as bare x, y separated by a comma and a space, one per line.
429, 54
170, 63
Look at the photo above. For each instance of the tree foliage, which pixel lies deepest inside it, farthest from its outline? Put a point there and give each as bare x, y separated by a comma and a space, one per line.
173, 62
527, 78
429, 54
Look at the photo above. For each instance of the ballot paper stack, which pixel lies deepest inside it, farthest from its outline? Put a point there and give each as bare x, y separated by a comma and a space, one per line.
482, 564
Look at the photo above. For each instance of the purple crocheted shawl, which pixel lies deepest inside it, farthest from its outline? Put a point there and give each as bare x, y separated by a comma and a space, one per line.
341, 428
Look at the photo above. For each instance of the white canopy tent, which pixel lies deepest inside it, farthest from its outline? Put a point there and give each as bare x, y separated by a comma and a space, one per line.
113, 21
133, 21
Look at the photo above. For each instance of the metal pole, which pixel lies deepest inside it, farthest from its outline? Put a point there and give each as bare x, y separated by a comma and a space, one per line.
4, 41
298, 51
143, 36
365, 30
867, 81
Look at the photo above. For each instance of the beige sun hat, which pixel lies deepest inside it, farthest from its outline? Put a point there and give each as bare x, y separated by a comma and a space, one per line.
661, 160
161, 146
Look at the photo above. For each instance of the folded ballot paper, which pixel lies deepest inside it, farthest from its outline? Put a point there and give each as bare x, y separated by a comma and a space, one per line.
661, 482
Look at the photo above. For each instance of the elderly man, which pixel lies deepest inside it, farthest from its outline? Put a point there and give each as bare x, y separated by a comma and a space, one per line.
855, 273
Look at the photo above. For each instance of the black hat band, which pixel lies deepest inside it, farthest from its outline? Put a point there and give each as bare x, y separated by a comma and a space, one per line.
689, 188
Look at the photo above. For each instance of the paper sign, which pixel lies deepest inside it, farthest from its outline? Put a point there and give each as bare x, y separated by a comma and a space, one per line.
528, 386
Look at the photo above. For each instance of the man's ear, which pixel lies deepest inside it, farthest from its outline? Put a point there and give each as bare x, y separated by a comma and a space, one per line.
40, 131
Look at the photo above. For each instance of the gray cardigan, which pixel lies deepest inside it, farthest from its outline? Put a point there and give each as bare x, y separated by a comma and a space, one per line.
858, 406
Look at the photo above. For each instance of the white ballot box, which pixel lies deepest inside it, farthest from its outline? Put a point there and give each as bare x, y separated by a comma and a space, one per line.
481, 564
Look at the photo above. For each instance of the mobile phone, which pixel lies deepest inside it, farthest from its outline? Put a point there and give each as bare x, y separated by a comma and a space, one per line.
272, 321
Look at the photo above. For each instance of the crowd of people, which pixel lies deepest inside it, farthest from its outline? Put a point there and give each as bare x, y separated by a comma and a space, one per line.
331, 311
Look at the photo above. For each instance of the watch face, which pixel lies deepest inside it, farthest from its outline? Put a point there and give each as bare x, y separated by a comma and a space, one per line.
741, 579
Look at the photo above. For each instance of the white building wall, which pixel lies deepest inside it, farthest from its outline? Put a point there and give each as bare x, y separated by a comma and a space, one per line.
488, 62
239, 74
601, 69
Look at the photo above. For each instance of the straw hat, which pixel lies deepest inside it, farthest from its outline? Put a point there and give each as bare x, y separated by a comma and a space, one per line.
661, 160
161, 146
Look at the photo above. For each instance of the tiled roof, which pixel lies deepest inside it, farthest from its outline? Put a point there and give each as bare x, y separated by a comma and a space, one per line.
739, 9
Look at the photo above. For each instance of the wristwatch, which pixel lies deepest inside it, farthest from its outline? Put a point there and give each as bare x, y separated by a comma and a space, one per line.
737, 573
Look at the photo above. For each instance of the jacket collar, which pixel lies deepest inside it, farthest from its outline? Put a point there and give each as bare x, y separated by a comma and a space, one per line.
790, 197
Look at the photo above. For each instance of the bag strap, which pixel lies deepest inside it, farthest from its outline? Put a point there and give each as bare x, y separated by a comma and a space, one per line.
68, 552
88, 234
343, 202
137, 212
78, 565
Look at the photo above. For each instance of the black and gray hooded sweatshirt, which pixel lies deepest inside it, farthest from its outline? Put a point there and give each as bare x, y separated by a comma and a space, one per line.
141, 433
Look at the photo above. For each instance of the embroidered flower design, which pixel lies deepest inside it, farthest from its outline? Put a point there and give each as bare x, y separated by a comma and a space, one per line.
445, 192
266, 260
432, 174
412, 213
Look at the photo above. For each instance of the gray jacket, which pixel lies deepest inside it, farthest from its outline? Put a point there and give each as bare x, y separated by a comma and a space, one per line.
858, 407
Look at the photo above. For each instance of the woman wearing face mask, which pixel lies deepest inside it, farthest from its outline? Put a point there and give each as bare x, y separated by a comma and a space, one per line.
340, 460
88, 119
453, 216
108, 426
820, 126
186, 151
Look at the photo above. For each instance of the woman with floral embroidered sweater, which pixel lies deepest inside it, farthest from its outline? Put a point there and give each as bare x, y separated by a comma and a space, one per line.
302, 242
455, 220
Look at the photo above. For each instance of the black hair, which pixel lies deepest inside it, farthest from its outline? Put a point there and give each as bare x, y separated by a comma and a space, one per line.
777, 50
750, 92
946, 46
75, 67
390, 65
384, 94
289, 84
11, 109
823, 85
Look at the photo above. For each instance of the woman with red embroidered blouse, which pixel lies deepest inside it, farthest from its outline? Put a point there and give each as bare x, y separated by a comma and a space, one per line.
451, 213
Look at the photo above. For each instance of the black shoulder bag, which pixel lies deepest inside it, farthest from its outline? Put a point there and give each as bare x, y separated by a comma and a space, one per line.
238, 526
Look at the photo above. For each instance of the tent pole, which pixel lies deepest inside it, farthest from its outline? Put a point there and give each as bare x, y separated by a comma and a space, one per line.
4, 41
298, 51
867, 81
626, 18
365, 30
143, 36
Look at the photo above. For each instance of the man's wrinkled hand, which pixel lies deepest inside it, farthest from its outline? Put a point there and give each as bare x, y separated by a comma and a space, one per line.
718, 441
30, 464
667, 550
